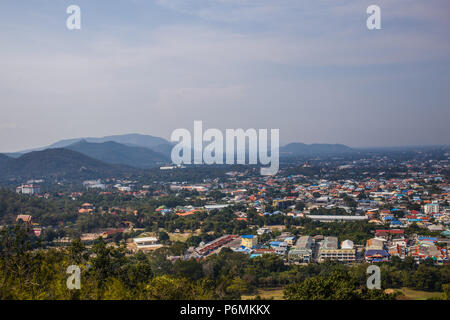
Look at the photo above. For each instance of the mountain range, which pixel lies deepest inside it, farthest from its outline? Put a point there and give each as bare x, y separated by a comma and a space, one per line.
58, 163
4, 158
133, 139
115, 155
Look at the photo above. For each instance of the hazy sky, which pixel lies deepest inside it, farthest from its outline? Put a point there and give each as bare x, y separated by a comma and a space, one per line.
308, 67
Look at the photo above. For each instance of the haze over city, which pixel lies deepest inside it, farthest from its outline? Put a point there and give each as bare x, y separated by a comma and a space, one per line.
311, 69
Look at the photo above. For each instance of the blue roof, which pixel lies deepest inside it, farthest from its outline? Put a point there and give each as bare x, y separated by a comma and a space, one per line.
427, 238
250, 236
373, 252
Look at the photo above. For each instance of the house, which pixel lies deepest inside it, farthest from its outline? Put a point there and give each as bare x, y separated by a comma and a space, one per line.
37, 231
376, 255
262, 231
24, 218
436, 228
382, 234
147, 243
30, 189
290, 240
86, 208
375, 244
302, 252
428, 249
209, 247
329, 250
188, 213
249, 241
431, 208
94, 184
327, 218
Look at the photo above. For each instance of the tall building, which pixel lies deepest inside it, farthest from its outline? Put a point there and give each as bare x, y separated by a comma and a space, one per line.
431, 208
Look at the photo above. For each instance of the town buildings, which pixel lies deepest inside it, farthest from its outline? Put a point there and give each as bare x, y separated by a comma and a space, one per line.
30, 189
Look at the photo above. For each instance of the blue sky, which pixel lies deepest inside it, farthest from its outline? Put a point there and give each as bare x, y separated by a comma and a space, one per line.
309, 68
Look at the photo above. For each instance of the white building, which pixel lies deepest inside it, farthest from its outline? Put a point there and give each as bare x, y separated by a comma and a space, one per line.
146, 243
123, 188
431, 208
347, 244
28, 189
325, 218
94, 184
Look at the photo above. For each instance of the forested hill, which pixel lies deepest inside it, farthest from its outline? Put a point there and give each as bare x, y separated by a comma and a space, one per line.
4, 158
59, 163
116, 153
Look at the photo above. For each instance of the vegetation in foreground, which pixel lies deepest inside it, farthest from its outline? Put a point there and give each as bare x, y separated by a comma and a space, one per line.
108, 272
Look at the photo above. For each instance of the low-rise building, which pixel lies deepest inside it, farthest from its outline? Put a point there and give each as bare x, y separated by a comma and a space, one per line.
327, 218
329, 250
28, 189
431, 208
376, 255
147, 243
86, 208
302, 252
249, 241
26, 218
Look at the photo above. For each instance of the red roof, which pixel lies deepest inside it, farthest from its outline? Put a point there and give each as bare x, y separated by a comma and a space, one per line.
188, 213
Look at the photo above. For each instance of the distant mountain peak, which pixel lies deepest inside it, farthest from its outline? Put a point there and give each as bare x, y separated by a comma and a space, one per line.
60, 163
130, 139
116, 153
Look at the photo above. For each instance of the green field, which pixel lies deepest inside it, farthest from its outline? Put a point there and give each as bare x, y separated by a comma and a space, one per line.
179, 236
407, 294
269, 293
411, 294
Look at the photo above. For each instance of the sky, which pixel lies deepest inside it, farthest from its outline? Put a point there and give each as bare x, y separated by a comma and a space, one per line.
310, 68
